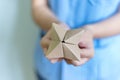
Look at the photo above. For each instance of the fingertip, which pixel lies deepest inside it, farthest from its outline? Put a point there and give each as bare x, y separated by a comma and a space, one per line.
76, 63
45, 50
83, 43
68, 61
54, 60
87, 53
80, 63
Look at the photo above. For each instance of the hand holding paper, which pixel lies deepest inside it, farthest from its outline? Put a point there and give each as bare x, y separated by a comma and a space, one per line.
64, 43
75, 46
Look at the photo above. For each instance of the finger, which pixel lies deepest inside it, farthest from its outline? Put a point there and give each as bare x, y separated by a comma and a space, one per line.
79, 63
87, 53
48, 34
55, 60
45, 43
85, 45
68, 61
45, 50
82, 45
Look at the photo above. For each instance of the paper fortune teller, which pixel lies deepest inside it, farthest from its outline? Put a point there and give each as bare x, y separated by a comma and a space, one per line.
64, 43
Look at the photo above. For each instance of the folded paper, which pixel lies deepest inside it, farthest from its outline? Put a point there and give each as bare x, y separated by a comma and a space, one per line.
64, 43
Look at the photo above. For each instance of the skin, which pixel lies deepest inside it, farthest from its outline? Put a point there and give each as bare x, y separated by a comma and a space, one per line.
44, 17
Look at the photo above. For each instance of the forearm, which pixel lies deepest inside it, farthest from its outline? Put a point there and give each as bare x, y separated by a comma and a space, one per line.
42, 15
109, 27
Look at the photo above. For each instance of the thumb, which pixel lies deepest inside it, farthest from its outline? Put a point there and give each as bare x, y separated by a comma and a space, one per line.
86, 53
45, 43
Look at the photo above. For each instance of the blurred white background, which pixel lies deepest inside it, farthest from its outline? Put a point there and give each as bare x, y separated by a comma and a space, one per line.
18, 35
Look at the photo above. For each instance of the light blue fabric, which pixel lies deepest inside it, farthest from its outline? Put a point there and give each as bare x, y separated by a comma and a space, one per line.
106, 63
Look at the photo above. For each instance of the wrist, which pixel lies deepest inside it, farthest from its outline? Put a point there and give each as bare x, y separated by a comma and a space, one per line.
90, 28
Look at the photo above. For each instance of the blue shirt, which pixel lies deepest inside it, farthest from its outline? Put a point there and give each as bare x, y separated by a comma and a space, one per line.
76, 13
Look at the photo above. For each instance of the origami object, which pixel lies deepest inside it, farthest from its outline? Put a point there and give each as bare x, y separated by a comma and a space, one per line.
64, 43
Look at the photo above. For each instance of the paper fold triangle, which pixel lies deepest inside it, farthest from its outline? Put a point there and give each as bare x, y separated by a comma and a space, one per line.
57, 52
73, 36
60, 31
71, 52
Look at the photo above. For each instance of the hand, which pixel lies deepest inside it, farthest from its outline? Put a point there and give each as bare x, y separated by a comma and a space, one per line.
45, 42
87, 49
